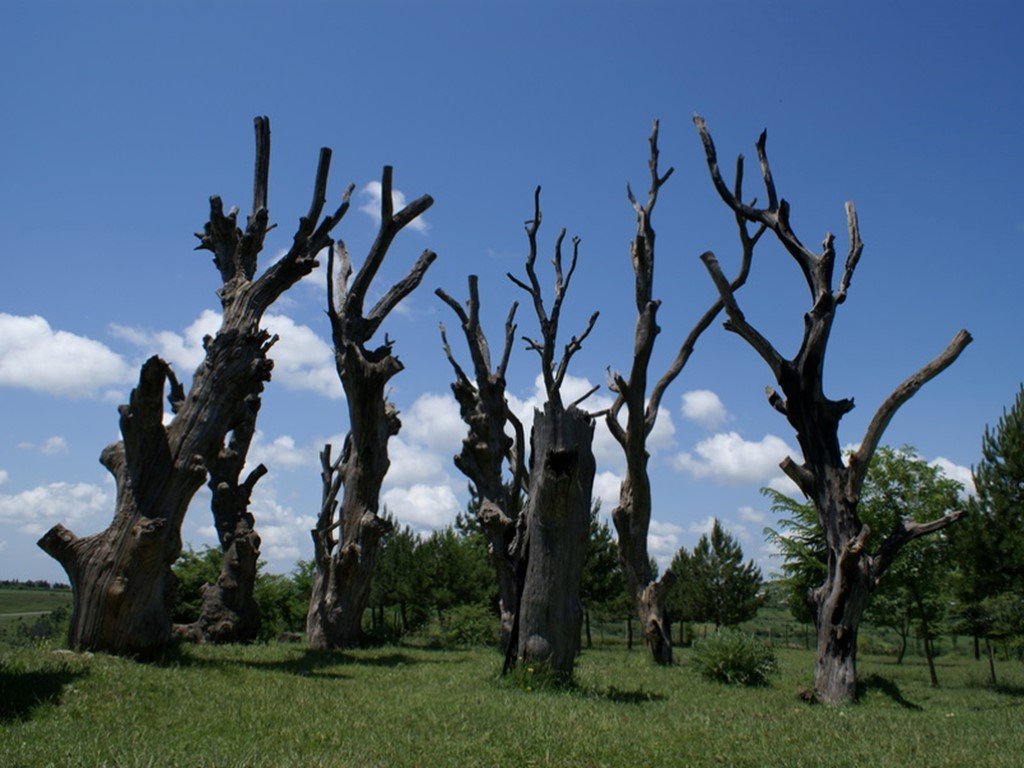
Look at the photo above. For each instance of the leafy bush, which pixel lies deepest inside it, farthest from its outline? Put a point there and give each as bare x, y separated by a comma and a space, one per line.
733, 657
472, 624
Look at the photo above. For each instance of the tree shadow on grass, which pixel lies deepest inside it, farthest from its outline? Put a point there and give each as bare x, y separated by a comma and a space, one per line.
887, 687
22, 692
310, 663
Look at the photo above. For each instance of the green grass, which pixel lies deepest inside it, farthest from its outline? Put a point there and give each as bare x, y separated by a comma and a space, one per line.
23, 606
282, 705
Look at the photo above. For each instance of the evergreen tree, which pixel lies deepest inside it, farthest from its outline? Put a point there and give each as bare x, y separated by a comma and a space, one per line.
725, 591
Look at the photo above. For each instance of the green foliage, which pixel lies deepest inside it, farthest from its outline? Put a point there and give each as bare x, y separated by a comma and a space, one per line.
730, 656
801, 542
714, 585
989, 542
603, 585
469, 625
193, 569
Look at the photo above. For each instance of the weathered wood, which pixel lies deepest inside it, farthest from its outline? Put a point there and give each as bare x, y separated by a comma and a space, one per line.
122, 576
485, 449
832, 484
344, 564
632, 516
552, 537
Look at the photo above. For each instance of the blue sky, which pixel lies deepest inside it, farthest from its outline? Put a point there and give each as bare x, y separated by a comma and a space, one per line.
121, 120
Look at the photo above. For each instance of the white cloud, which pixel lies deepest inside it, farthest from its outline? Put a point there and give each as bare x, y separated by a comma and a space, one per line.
302, 360
3, 476
958, 472
663, 435
701, 527
37, 509
372, 194
751, 515
35, 356
280, 453
49, 447
423, 507
663, 539
787, 487
434, 420
726, 457
411, 464
606, 488
704, 407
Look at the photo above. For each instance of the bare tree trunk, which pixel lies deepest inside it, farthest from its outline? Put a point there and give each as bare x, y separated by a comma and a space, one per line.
557, 517
629, 632
833, 484
991, 661
122, 577
558, 521
484, 409
632, 516
586, 625
229, 612
344, 566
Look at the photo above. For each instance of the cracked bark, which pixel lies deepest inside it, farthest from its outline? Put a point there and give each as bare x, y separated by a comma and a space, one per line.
122, 577
486, 447
832, 484
552, 540
632, 516
348, 529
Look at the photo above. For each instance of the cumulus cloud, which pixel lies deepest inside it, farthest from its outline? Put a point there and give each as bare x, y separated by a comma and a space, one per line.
35, 356
37, 509
958, 472
434, 421
49, 447
372, 193
606, 488
421, 506
302, 360
411, 464
786, 487
704, 407
3, 476
751, 515
279, 453
663, 541
728, 458
701, 527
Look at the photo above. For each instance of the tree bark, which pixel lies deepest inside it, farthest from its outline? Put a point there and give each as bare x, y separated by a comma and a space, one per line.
832, 484
484, 408
558, 521
122, 577
551, 543
344, 566
632, 516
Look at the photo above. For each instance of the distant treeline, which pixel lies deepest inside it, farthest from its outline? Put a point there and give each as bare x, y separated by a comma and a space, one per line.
31, 584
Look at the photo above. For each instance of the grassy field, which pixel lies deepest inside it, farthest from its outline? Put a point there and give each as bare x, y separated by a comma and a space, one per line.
25, 605
282, 705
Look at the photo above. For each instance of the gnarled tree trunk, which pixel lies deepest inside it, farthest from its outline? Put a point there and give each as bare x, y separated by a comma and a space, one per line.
557, 523
553, 538
344, 565
632, 516
122, 577
833, 484
229, 613
484, 409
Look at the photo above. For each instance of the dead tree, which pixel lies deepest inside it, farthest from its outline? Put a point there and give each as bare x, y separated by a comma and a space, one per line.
557, 518
632, 516
856, 559
347, 532
484, 409
229, 612
122, 576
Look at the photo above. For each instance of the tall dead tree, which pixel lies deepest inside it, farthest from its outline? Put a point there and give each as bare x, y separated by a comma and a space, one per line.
632, 516
485, 449
557, 517
229, 613
122, 576
856, 558
347, 532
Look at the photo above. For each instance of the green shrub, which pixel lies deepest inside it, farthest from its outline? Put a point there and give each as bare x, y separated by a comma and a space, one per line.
467, 625
733, 657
